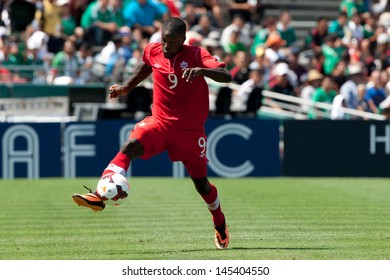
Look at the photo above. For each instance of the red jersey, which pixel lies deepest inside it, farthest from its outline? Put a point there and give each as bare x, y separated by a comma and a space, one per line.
175, 101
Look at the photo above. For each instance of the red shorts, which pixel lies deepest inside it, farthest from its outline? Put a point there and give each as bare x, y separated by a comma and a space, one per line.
187, 146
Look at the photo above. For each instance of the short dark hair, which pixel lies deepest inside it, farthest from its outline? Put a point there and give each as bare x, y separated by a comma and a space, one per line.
175, 25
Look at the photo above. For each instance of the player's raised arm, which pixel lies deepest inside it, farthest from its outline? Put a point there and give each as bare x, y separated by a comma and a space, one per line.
142, 71
218, 74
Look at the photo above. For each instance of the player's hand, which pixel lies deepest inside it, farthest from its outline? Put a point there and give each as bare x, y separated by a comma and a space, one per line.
116, 90
190, 73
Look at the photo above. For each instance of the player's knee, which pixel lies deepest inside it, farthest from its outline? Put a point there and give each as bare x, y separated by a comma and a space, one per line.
132, 148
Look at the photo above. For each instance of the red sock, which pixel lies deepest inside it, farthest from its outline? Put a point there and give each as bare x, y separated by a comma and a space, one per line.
119, 164
212, 201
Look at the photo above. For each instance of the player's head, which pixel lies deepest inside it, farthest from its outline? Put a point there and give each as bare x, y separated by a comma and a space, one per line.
173, 35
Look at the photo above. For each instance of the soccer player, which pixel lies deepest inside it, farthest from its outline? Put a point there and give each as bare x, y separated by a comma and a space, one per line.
180, 109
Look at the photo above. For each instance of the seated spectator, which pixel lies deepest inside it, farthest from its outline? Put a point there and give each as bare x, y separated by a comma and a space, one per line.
331, 53
375, 92
283, 80
313, 81
349, 89
68, 22
234, 43
212, 8
337, 26
141, 14
204, 26
98, 23
65, 66
273, 48
250, 93
268, 28
190, 14
317, 35
350, 7
243, 8
286, 31
325, 94
244, 36
353, 30
338, 74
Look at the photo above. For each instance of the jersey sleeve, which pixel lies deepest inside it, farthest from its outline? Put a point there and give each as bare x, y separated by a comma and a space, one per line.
209, 61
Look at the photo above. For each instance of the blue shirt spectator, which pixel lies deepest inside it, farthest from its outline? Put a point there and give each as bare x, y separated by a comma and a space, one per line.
143, 13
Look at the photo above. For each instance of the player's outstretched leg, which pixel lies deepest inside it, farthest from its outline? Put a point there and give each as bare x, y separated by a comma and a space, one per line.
91, 200
119, 164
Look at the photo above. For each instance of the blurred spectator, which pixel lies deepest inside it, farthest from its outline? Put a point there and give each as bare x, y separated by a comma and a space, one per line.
313, 81
382, 50
353, 7
337, 26
68, 22
240, 71
354, 30
284, 80
204, 26
244, 36
375, 92
317, 35
294, 65
117, 10
212, 8
273, 48
65, 66
325, 93
85, 60
349, 89
250, 93
338, 74
361, 94
267, 29
234, 43
98, 23
141, 14
243, 8
331, 53
49, 18
286, 31
190, 14
77, 8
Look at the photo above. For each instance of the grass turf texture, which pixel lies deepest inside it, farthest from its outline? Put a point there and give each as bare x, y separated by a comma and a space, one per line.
164, 218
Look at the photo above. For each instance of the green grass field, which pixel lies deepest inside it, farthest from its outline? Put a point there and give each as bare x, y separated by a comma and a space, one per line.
164, 218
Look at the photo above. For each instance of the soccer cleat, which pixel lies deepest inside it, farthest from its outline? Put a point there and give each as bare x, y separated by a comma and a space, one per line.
221, 237
90, 200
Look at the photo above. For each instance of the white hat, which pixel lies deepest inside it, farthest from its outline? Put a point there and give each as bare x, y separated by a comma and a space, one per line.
354, 69
62, 2
382, 38
281, 69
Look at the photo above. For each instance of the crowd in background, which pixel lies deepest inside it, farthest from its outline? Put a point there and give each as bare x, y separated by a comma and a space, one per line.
344, 61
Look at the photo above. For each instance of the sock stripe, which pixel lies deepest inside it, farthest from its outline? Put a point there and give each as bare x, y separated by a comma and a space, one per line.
115, 168
214, 206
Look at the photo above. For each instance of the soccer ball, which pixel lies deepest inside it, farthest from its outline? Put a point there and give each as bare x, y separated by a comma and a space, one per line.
113, 188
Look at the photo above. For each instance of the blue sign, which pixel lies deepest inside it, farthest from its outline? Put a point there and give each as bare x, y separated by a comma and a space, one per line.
30, 150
